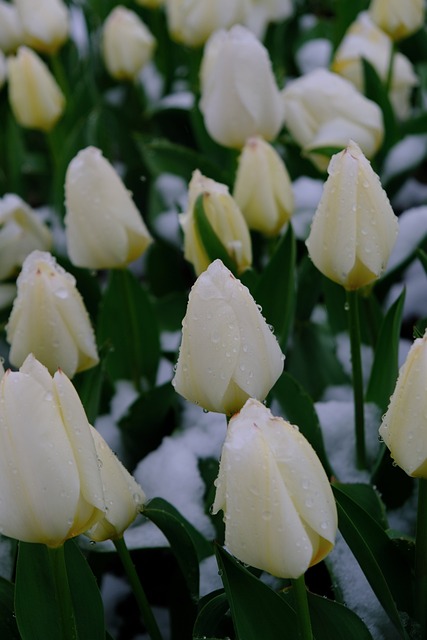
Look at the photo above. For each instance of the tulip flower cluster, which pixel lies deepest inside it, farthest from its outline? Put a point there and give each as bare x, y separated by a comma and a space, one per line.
213, 263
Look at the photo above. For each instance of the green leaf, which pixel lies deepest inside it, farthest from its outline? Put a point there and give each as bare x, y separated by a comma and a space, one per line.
188, 545
257, 611
212, 610
275, 288
386, 360
422, 257
162, 156
299, 409
333, 621
345, 14
127, 323
375, 90
36, 604
85, 594
378, 558
8, 627
209, 239
312, 361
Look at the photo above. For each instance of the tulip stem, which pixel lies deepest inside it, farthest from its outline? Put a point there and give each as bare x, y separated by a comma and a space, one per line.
139, 593
303, 612
356, 362
63, 593
421, 559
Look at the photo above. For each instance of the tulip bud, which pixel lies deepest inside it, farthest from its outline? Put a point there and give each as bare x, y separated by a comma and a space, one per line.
239, 95
49, 318
263, 189
35, 98
45, 23
323, 110
228, 353
104, 229
354, 228
123, 495
21, 232
225, 218
279, 510
403, 427
127, 44
11, 32
191, 22
364, 40
396, 18
49, 475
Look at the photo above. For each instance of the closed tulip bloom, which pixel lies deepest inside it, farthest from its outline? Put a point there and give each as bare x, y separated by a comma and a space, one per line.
365, 40
21, 232
35, 98
45, 23
49, 475
228, 353
263, 188
279, 510
191, 22
225, 218
324, 110
104, 229
396, 18
11, 31
354, 228
49, 318
123, 495
127, 44
239, 95
404, 426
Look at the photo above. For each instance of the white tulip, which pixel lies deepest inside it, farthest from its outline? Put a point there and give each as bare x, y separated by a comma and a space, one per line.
123, 495
49, 475
398, 19
323, 110
49, 318
127, 44
11, 32
228, 353
225, 218
263, 188
239, 95
403, 427
21, 232
45, 23
279, 509
104, 229
354, 228
365, 40
35, 98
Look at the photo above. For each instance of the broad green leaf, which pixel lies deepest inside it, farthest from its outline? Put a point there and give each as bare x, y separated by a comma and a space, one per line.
394, 485
299, 409
375, 90
188, 545
128, 325
212, 244
212, 610
414, 126
312, 361
275, 289
257, 611
333, 621
36, 603
385, 367
87, 602
377, 556
8, 627
162, 156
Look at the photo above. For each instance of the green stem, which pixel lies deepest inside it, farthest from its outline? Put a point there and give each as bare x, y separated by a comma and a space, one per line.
389, 76
356, 363
63, 593
303, 612
141, 598
421, 558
